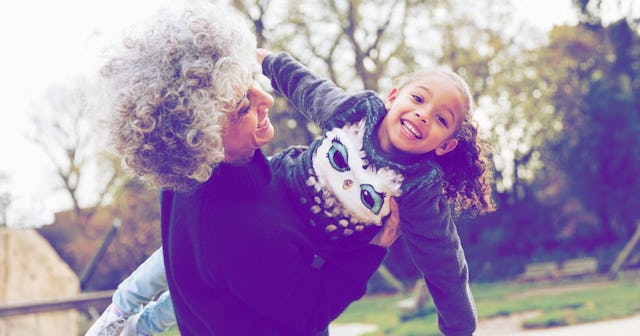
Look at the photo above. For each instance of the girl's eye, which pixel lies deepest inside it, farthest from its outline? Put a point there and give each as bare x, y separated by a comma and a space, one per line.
417, 99
443, 121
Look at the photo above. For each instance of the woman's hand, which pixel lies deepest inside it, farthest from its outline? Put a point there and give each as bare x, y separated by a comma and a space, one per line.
391, 228
261, 54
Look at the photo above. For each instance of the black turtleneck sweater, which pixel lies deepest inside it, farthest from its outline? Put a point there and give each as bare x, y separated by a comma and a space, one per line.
240, 262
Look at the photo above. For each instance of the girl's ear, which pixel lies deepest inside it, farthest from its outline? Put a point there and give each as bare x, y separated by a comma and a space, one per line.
390, 98
446, 147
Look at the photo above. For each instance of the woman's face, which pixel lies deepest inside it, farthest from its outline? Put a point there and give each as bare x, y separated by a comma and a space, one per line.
249, 128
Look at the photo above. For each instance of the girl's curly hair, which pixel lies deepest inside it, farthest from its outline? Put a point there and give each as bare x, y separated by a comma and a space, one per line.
467, 172
173, 88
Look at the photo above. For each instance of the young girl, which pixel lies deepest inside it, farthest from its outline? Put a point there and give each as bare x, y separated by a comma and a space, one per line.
419, 145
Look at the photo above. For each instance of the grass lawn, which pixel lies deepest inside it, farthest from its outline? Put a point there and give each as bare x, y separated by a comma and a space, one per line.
560, 303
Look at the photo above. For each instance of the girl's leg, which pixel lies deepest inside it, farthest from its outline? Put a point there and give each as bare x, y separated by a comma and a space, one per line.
142, 285
157, 316
134, 292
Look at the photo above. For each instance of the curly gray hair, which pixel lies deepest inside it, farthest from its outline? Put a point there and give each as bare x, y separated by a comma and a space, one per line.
175, 85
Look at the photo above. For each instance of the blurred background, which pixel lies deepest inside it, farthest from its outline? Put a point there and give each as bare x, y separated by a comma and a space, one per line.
556, 83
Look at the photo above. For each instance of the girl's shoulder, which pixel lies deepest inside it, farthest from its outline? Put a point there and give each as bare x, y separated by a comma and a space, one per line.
427, 185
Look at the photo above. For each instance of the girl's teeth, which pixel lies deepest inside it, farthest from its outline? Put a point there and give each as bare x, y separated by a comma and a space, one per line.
411, 129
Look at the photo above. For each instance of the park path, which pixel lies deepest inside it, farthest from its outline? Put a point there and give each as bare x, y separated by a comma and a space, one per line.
620, 327
351, 329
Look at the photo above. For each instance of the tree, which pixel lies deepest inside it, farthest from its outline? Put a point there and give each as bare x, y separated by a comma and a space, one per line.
595, 69
603, 12
65, 127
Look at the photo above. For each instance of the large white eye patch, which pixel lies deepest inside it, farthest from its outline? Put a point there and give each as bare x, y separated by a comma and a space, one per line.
343, 177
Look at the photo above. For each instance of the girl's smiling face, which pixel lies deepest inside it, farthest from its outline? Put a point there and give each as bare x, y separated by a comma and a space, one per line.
423, 116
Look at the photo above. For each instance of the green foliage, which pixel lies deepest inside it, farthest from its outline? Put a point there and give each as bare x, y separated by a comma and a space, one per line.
593, 74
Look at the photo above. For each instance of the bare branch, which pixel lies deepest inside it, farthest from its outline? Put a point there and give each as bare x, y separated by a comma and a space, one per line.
64, 128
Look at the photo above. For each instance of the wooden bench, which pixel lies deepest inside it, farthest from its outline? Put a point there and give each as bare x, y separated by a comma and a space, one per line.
579, 267
539, 271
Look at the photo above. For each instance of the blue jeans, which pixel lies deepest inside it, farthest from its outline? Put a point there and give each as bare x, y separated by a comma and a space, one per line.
136, 293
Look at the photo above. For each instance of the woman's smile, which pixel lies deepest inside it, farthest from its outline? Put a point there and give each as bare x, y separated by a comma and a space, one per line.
264, 123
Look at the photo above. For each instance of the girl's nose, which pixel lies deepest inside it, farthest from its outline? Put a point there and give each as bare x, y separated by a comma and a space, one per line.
421, 118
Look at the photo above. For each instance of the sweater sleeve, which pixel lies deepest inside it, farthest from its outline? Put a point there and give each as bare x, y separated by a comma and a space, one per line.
316, 98
295, 288
434, 243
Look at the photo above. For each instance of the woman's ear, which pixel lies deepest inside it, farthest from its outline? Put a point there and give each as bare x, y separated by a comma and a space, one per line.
390, 98
446, 147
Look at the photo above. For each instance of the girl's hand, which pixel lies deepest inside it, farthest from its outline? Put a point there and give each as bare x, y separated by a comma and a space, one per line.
391, 228
261, 54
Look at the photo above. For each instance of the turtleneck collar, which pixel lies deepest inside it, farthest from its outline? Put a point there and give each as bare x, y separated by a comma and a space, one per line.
247, 178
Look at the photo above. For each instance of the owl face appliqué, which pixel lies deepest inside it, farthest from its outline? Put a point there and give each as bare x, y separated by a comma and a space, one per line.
345, 181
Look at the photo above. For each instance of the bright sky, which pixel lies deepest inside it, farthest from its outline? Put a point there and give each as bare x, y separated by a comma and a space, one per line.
52, 41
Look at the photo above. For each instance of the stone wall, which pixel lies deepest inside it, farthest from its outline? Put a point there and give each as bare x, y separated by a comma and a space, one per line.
31, 271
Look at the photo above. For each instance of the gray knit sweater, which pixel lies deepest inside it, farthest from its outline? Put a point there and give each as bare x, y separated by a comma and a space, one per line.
343, 182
